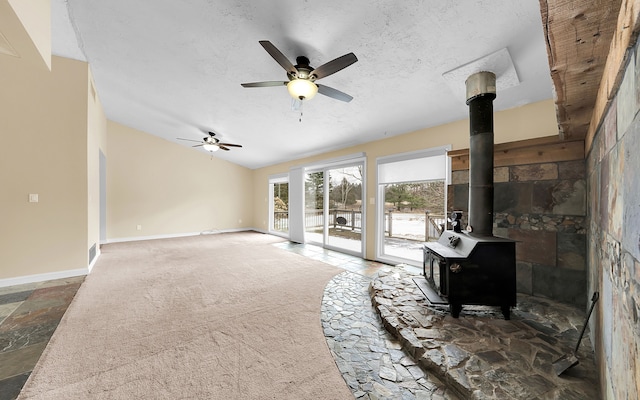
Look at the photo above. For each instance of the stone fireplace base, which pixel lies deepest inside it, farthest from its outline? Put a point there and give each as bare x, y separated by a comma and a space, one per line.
482, 356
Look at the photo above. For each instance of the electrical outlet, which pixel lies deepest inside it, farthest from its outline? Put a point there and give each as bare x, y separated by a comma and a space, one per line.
240, 221
138, 227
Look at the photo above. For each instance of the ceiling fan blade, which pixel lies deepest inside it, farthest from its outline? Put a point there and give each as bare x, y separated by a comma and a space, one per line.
229, 144
191, 140
264, 84
334, 93
279, 57
334, 66
222, 147
198, 145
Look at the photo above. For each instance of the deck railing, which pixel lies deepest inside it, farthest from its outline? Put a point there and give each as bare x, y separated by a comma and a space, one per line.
281, 221
352, 220
434, 225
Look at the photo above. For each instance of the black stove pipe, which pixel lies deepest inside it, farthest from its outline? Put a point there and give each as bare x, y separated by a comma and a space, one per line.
481, 91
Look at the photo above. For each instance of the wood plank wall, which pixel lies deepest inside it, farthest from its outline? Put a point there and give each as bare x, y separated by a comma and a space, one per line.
522, 152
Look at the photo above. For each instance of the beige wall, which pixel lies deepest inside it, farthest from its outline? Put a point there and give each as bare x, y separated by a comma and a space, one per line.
169, 189
531, 121
44, 151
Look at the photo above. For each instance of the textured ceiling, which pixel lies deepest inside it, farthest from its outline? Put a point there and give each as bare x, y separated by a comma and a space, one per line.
173, 69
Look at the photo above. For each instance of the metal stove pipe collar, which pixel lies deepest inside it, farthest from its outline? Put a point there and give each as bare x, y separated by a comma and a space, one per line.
481, 84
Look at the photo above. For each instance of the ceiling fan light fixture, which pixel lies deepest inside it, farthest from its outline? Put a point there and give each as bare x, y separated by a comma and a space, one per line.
210, 147
302, 89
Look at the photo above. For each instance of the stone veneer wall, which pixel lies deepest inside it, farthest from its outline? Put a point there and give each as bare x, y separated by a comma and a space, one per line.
613, 171
542, 205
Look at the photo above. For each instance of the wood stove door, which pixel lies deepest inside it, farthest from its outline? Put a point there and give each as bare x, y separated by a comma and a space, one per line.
443, 266
438, 279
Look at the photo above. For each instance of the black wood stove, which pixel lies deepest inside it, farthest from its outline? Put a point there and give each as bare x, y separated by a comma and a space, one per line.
472, 266
474, 270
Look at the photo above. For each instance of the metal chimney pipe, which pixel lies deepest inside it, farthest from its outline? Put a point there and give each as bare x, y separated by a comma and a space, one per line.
481, 91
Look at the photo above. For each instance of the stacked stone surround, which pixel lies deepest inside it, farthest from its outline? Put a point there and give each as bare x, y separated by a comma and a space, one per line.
613, 175
541, 205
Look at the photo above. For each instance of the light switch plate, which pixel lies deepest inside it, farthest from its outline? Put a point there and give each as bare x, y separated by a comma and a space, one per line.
33, 197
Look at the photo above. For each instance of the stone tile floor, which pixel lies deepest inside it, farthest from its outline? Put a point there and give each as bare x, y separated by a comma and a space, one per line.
371, 360
375, 363
29, 314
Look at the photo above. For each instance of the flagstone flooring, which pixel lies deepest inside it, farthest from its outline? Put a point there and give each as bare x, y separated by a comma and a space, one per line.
29, 314
375, 363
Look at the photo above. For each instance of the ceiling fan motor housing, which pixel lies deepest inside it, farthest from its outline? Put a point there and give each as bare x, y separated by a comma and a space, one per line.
304, 70
211, 139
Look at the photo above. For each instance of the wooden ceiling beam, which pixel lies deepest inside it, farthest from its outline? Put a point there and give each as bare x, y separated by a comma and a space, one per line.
578, 35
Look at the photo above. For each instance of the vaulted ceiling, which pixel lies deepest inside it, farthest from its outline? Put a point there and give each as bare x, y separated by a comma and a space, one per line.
174, 69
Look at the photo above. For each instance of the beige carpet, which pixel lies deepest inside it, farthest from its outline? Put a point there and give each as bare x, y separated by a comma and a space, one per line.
225, 316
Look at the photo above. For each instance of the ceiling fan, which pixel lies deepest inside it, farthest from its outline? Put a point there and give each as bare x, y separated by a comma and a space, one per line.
211, 143
302, 76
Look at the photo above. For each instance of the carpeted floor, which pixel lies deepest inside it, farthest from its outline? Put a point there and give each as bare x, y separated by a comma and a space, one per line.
209, 317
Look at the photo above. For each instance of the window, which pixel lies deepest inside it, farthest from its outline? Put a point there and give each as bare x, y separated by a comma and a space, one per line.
411, 200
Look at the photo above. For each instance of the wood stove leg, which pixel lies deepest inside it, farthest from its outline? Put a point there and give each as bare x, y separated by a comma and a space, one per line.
455, 310
506, 311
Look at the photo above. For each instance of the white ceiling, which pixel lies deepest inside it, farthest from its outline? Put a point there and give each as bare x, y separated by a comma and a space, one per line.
173, 69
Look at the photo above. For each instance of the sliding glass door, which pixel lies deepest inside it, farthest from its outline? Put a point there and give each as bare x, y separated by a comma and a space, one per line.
344, 230
279, 205
334, 208
314, 207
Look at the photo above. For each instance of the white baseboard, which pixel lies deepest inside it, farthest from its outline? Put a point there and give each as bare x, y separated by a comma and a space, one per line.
86, 271
278, 234
176, 235
48, 276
